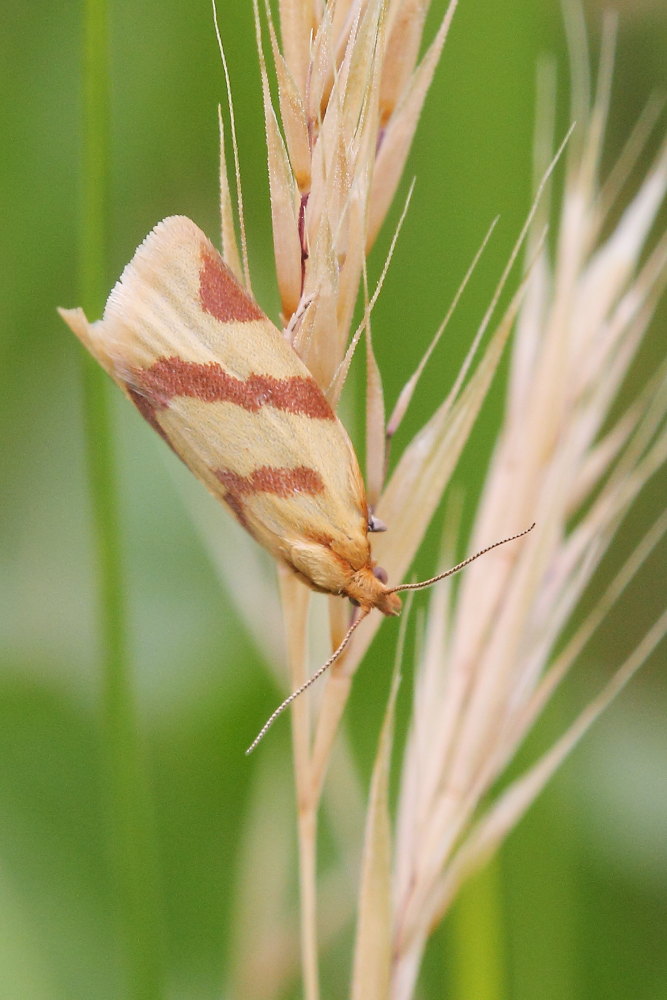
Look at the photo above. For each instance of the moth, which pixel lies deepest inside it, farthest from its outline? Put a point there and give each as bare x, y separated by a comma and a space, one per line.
224, 388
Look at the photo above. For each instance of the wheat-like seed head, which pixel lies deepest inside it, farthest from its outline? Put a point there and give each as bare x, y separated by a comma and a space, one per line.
350, 85
488, 664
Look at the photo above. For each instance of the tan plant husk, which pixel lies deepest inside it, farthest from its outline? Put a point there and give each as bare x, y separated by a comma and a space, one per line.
349, 87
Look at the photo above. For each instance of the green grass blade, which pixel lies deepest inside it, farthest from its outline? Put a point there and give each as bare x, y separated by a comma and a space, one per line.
129, 821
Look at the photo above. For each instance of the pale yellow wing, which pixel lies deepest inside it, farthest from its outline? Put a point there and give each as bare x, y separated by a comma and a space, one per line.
221, 384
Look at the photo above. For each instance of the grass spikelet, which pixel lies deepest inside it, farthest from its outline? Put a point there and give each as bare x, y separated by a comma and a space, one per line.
351, 84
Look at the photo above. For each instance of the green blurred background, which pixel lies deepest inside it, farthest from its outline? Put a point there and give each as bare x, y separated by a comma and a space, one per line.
581, 886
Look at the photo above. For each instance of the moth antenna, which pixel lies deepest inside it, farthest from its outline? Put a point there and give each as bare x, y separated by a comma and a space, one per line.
461, 565
311, 680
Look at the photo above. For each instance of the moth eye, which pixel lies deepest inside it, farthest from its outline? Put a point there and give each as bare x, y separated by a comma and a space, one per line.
380, 574
375, 524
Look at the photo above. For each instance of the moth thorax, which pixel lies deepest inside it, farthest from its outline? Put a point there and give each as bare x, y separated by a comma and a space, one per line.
366, 590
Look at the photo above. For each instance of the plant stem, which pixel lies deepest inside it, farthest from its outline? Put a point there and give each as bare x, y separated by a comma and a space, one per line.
295, 602
308, 883
130, 830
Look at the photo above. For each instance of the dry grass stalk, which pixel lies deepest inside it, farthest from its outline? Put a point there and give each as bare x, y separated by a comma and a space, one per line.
488, 664
350, 87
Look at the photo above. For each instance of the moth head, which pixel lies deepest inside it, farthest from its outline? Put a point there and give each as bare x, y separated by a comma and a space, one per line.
368, 589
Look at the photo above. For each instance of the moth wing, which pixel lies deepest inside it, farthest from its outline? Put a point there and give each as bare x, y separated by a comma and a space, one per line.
213, 375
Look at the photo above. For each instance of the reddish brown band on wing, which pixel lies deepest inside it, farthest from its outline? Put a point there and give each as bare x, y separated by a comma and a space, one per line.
267, 479
270, 479
221, 295
169, 377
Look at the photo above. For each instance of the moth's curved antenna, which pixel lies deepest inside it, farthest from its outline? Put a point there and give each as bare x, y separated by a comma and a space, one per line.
357, 621
311, 680
459, 566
